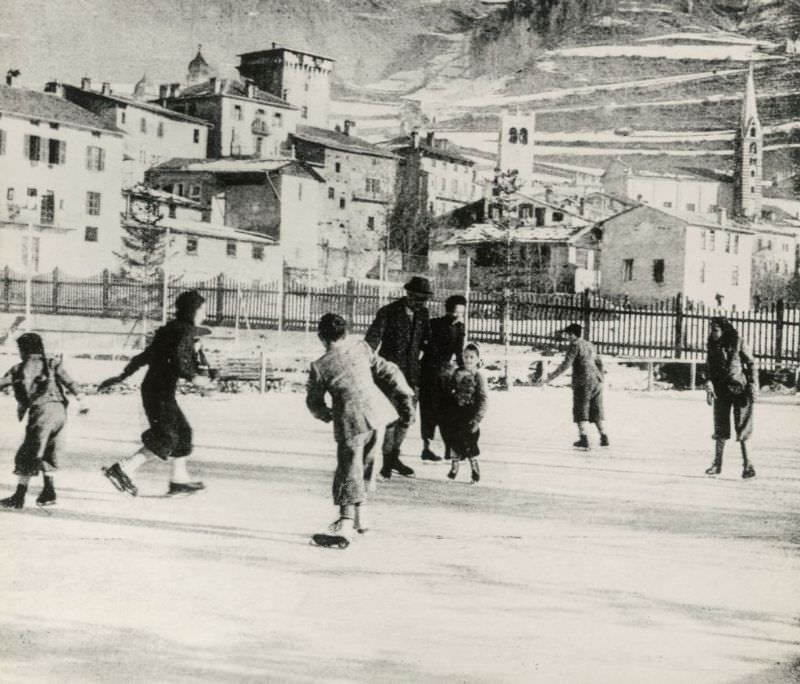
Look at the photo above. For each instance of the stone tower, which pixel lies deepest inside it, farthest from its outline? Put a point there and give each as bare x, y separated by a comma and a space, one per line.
515, 148
301, 78
199, 71
748, 156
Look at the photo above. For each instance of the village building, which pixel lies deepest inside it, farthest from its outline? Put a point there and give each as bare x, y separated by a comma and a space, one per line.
60, 177
358, 196
515, 145
580, 179
276, 198
300, 78
197, 248
653, 253
152, 133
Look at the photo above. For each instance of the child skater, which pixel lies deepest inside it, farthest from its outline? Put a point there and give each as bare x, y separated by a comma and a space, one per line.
464, 407
169, 357
358, 381
40, 388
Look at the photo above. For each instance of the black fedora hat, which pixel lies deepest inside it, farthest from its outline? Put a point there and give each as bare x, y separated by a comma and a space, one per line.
419, 285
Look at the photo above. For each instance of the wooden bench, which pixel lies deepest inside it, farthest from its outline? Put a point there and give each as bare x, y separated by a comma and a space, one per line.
651, 361
231, 371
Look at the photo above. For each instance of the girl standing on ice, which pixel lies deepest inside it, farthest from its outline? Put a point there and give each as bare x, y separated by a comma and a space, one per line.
465, 399
169, 357
40, 388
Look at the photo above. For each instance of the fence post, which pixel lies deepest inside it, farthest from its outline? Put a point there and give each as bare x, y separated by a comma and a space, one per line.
106, 294
220, 292
307, 304
281, 294
587, 315
7, 289
350, 301
54, 302
678, 342
467, 295
262, 373
779, 323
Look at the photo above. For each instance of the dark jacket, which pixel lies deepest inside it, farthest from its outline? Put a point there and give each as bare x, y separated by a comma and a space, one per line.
400, 338
38, 381
730, 365
169, 356
446, 341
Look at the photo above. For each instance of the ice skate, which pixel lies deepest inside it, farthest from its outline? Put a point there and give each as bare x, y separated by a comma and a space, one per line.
178, 488
47, 497
453, 469
428, 455
604, 440
360, 521
748, 471
402, 469
582, 443
120, 480
16, 500
715, 469
338, 536
476, 471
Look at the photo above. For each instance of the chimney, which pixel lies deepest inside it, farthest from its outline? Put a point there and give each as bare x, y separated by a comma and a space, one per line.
174, 89
212, 84
106, 88
163, 91
429, 138
548, 195
337, 128
722, 216
274, 45
86, 83
54, 87
348, 125
415, 138
250, 89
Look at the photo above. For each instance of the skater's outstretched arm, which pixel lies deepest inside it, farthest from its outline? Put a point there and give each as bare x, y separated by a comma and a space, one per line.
572, 354
315, 397
139, 361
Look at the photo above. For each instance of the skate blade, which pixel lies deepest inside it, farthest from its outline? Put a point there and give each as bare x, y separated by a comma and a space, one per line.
330, 541
45, 503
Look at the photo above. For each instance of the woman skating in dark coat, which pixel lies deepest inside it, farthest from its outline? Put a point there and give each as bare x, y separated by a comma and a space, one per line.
169, 357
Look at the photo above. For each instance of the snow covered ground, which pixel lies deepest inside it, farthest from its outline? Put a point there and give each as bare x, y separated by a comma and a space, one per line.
616, 565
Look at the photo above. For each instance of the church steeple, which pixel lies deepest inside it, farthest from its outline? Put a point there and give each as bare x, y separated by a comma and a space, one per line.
748, 155
199, 71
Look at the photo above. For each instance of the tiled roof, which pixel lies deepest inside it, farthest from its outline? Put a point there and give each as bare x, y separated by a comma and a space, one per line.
489, 232
447, 151
144, 191
233, 87
203, 229
52, 108
279, 48
235, 165
147, 106
340, 141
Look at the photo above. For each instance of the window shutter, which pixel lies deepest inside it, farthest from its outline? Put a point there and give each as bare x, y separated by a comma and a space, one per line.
102, 164
27, 146
62, 152
89, 158
2, 142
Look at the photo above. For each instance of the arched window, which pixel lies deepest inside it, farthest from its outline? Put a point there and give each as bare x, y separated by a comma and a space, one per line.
512, 135
753, 161
753, 132
523, 136
752, 172
753, 148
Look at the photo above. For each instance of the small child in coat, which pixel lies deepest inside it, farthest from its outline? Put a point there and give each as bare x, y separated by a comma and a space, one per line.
40, 387
465, 400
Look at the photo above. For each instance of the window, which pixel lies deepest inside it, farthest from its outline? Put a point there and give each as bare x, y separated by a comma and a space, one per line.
277, 120
658, 270
160, 129
667, 205
173, 211
690, 206
191, 246
337, 167
32, 192
10, 194
56, 151
90, 234
703, 239
702, 271
627, 270
304, 112
33, 147
331, 193
258, 252
48, 207
180, 191
196, 135
373, 185
370, 223
752, 173
523, 136
557, 216
752, 189
342, 203
2, 141
728, 243
753, 161
300, 192
735, 276
260, 113
712, 241
194, 191
512, 135
95, 158
143, 125
230, 248
237, 112
93, 203
122, 116
259, 145
454, 187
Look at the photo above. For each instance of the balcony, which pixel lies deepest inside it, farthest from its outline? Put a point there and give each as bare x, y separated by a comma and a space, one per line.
259, 127
376, 197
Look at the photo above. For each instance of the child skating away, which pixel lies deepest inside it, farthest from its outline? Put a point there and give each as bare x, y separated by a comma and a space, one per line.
169, 357
359, 382
587, 384
40, 387
465, 400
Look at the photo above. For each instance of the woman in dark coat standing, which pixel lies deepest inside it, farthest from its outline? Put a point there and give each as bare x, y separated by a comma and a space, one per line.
169, 357
732, 385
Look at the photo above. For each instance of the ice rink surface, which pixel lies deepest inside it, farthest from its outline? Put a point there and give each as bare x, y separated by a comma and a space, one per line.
614, 565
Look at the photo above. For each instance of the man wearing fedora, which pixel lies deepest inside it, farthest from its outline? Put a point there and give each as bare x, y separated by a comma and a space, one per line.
399, 332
